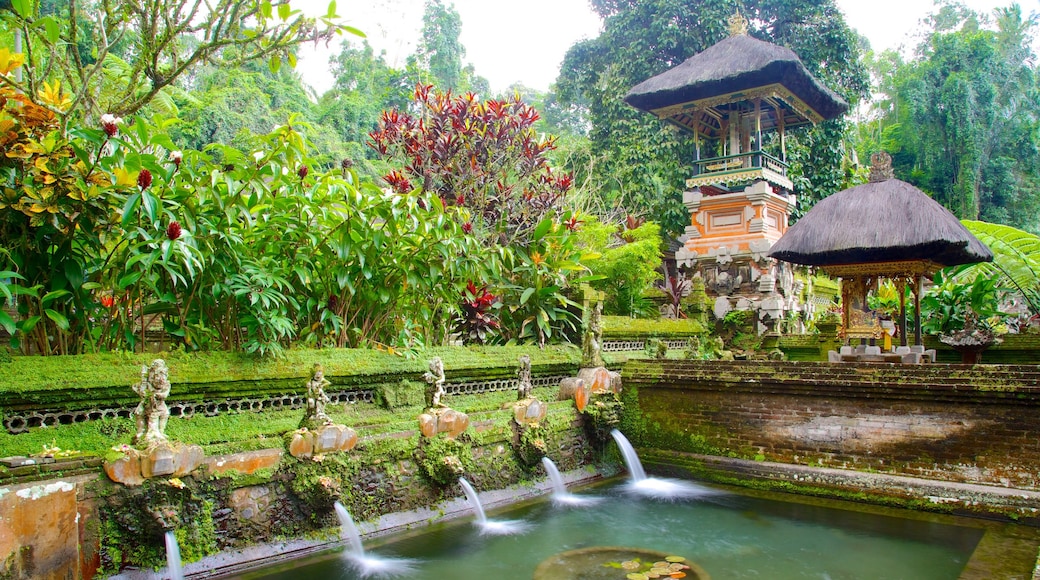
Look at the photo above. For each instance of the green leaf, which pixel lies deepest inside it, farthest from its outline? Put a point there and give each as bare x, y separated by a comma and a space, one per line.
54, 295
130, 207
275, 64
74, 273
129, 280
356, 32
28, 324
59, 319
7, 322
51, 29
284, 10
265, 9
23, 8
331, 12
541, 229
526, 296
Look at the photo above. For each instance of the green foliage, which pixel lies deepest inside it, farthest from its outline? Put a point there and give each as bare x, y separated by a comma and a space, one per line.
626, 267
119, 68
961, 119
948, 304
1016, 260
617, 326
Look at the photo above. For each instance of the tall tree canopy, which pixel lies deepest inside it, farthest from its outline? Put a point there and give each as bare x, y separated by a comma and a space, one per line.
642, 163
117, 56
963, 118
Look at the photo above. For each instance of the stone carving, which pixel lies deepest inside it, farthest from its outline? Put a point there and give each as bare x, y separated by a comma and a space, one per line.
592, 340
435, 378
523, 374
880, 167
152, 413
315, 415
726, 282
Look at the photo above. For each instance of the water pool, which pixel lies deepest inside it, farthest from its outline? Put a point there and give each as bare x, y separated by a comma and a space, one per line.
730, 535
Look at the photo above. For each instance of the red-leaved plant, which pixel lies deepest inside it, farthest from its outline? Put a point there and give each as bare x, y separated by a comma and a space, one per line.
476, 322
483, 155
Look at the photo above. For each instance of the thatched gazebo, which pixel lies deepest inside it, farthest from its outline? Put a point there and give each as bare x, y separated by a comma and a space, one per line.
886, 228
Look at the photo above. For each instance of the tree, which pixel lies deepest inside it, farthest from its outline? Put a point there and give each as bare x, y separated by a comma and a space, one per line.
962, 120
438, 58
642, 165
139, 48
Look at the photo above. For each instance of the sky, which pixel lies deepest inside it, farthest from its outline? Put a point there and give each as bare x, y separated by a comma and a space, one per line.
525, 41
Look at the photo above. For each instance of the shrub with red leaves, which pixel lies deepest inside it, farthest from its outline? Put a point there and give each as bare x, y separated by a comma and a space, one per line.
475, 322
173, 231
485, 155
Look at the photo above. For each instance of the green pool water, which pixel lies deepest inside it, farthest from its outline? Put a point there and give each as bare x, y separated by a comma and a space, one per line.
729, 535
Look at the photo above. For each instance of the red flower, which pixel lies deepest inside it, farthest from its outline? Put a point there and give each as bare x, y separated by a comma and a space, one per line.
173, 231
573, 224
467, 228
302, 172
398, 182
110, 124
144, 179
460, 200
108, 301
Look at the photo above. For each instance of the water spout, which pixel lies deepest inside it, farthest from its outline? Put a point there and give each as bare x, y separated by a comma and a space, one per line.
491, 527
369, 565
173, 557
560, 494
655, 487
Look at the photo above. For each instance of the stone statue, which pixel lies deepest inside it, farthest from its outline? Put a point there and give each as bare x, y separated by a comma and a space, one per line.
435, 378
152, 413
524, 375
316, 399
592, 340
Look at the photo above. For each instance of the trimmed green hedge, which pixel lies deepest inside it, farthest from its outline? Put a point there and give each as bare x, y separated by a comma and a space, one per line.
625, 328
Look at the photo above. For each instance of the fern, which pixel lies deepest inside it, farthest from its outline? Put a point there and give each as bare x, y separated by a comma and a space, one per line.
1016, 260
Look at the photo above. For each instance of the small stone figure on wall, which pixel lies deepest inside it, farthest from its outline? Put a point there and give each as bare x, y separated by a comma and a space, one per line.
523, 374
593, 338
152, 413
435, 378
316, 399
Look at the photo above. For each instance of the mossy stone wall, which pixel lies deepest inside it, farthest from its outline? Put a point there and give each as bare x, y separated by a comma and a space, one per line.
945, 422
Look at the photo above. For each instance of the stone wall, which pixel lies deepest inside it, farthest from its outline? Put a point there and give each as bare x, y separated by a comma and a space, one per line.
943, 422
74, 526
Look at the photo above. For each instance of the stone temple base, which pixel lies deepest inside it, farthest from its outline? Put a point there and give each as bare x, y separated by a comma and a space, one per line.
307, 443
443, 420
160, 459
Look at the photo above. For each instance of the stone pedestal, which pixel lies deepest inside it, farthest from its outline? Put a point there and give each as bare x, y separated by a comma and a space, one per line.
601, 380
574, 388
306, 443
159, 459
529, 412
443, 420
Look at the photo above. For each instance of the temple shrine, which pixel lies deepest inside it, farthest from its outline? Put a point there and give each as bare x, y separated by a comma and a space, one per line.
738, 98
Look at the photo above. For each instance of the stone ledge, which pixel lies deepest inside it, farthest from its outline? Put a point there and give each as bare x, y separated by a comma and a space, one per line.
966, 498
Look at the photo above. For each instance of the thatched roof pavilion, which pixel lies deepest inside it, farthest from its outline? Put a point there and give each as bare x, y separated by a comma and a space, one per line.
699, 93
883, 229
880, 221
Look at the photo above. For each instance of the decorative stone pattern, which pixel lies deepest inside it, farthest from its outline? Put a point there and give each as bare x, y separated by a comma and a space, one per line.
158, 460
637, 345
15, 422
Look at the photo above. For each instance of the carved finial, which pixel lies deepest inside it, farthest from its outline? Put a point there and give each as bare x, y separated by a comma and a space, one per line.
737, 24
880, 167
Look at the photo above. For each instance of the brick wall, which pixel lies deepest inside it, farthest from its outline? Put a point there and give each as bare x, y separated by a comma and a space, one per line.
946, 422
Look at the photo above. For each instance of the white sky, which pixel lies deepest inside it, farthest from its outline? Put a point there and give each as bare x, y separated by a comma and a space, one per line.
525, 41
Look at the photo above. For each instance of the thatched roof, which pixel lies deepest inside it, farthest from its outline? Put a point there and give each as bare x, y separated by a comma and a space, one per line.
733, 66
883, 221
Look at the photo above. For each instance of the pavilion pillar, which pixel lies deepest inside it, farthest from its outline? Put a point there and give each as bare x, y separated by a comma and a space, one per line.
901, 288
919, 282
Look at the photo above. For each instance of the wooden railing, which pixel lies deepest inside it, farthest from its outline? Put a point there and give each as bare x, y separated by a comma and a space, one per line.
750, 159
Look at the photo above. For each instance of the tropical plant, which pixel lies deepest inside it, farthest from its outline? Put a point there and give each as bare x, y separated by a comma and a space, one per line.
536, 305
674, 288
475, 321
484, 156
950, 304
1016, 260
627, 266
